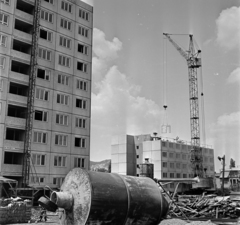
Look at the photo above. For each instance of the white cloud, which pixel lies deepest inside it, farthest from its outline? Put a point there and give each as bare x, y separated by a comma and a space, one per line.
117, 105
228, 29
90, 2
105, 52
225, 135
234, 76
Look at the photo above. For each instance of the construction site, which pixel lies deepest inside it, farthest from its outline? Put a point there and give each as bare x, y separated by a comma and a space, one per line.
45, 176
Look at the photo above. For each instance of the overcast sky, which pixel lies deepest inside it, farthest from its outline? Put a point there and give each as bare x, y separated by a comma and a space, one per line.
127, 89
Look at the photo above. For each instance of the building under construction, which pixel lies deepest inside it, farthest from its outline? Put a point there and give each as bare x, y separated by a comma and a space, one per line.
170, 158
45, 89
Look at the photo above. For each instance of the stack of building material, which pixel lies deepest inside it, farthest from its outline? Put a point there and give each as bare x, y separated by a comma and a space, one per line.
14, 211
209, 206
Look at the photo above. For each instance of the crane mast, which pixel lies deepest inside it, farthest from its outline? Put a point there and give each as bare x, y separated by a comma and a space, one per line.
31, 91
192, 57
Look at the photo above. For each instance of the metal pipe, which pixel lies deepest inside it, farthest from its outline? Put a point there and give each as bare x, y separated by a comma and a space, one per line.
62, 199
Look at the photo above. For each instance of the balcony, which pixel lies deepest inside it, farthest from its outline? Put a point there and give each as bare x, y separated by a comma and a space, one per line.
16, 121
22, 27
11, 145
21, 50
19, 76
10, 169
27, 17
21, 68
20, 55
23, 35
24, 10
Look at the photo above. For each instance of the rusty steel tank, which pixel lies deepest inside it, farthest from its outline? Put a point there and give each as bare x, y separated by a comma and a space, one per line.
88, 197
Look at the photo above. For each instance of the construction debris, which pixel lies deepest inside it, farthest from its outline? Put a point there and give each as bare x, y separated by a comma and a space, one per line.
209, 206
14, 210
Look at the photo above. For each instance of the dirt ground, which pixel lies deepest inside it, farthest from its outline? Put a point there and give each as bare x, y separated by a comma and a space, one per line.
52, 219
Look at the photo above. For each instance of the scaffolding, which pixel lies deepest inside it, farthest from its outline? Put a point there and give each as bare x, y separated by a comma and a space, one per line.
31, 92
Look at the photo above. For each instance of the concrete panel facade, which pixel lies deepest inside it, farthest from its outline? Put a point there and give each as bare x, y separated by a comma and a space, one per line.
51, 86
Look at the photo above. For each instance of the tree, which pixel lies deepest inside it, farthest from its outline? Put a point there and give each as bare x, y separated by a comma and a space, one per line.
232, 163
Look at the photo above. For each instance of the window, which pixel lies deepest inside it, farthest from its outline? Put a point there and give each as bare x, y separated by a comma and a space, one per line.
82, 85
3, 40
184, 156
178, 165
60, 161
184, 175
40, 137
79, 162
164, 154
82, 49
49, 1
7, 2
171, 175
80, 103
61, 140
184, 166
42, 94
4, 19
65, 24
62, 99
83, 31
80, 142
47, 16
44, 54
38, 159
40, 115
2, 62
66, 6
170, 145
177, 155
43, 74
171, 155
37, 179
64, 60
62, 119
177, 146
80, 122
63, 79
164, 164
137, 156
83, 14
58, 180
65, 42
172, 165
164, 175
44, 34
82, 67
164, 143
178, 175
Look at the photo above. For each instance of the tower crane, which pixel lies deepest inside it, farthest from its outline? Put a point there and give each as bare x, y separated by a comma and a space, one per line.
193, 59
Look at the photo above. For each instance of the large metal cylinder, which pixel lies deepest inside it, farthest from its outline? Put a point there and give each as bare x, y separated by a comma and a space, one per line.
106, 198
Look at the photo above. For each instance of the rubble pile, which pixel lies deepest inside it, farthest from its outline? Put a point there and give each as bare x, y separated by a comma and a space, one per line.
14, 210
209, 206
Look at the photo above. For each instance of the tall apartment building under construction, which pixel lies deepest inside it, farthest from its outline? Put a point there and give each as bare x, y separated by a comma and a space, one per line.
45, 89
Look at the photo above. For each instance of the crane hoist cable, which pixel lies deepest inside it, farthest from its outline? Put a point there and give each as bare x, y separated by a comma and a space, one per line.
165, 128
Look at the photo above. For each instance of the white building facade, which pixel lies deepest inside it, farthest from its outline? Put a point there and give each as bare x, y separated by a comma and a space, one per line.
62, 104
